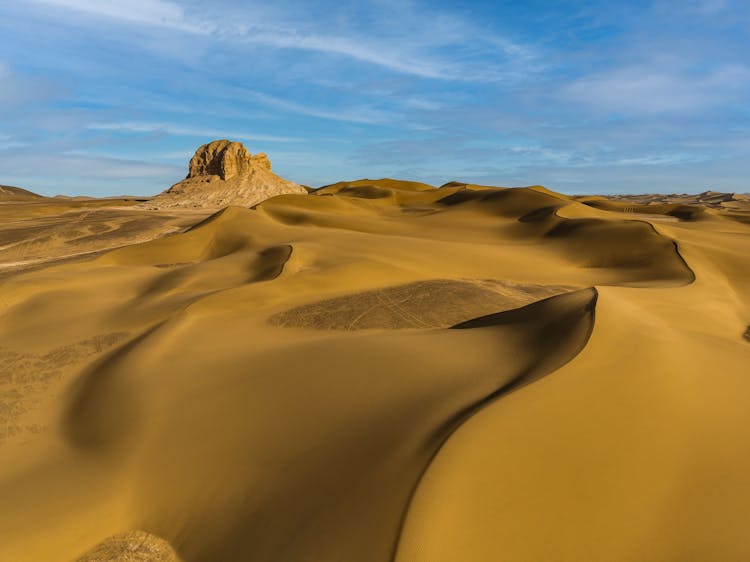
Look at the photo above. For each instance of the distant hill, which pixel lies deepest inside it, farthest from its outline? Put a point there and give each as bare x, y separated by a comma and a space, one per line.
9, 193
734, 202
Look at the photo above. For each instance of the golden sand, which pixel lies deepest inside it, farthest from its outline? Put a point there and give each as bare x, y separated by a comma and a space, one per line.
377, 371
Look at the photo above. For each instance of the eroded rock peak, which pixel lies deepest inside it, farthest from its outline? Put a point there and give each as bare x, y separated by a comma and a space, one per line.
221, 158
223, 173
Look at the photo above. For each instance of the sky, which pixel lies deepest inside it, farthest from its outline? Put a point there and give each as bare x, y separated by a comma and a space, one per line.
105, 97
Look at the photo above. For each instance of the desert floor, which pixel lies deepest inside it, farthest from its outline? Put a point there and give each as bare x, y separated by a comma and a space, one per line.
377, 371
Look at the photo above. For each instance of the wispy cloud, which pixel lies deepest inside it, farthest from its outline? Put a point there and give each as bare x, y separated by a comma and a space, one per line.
161, 13
511, 92
651, 90
367, 115
17, 90
415, 57
7, 142
177, 130
104, 167
28, 170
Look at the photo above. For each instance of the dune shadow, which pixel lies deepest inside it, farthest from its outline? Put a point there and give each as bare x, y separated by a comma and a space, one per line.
103, 405
567, 322
269, 263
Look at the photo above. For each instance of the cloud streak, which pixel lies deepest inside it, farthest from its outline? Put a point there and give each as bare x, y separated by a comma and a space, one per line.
158, 13
652, 90
400, 57
177, 130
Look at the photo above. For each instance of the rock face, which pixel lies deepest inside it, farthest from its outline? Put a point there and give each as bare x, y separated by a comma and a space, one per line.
221, 158
261, 160
223, 173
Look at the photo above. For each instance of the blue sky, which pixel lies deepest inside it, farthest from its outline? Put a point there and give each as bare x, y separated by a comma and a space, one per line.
103, 97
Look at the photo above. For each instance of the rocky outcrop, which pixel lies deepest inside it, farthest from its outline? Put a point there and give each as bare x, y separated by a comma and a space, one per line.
221, 158
261, 160
223, 173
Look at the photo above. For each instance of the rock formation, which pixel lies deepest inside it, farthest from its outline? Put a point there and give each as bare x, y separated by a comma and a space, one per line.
221, 158
223, 173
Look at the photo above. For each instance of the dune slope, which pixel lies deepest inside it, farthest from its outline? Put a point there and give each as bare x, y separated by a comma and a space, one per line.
382, 370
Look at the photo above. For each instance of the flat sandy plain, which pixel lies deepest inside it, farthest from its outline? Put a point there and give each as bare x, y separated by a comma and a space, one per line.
377, 371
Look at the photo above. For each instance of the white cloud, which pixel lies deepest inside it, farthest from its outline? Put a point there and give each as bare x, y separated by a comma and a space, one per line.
145, 12
422, 104
79, 165
177, 130
359, 115
648, 90
360, 50
19, 91
7, 142
652, 160
411, 54
706, 6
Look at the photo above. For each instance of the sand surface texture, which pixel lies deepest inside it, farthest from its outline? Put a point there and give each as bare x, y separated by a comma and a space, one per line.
377, 371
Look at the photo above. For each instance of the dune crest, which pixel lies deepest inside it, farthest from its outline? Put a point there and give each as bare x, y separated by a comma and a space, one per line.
378, 370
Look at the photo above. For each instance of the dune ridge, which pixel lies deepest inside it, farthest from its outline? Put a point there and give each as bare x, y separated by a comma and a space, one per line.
379, 370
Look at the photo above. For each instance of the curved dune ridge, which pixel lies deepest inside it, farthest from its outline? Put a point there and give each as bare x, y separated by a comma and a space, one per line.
435, 303
374, 465
380, 370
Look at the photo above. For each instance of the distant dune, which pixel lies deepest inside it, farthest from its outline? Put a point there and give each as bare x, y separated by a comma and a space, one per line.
689, 207
378, 370
10, 194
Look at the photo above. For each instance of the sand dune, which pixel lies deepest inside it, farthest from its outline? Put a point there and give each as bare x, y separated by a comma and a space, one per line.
37, 231
436, 303
10, 194
378, 370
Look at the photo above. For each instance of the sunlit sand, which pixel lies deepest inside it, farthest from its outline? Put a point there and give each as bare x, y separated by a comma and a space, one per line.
378, 370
